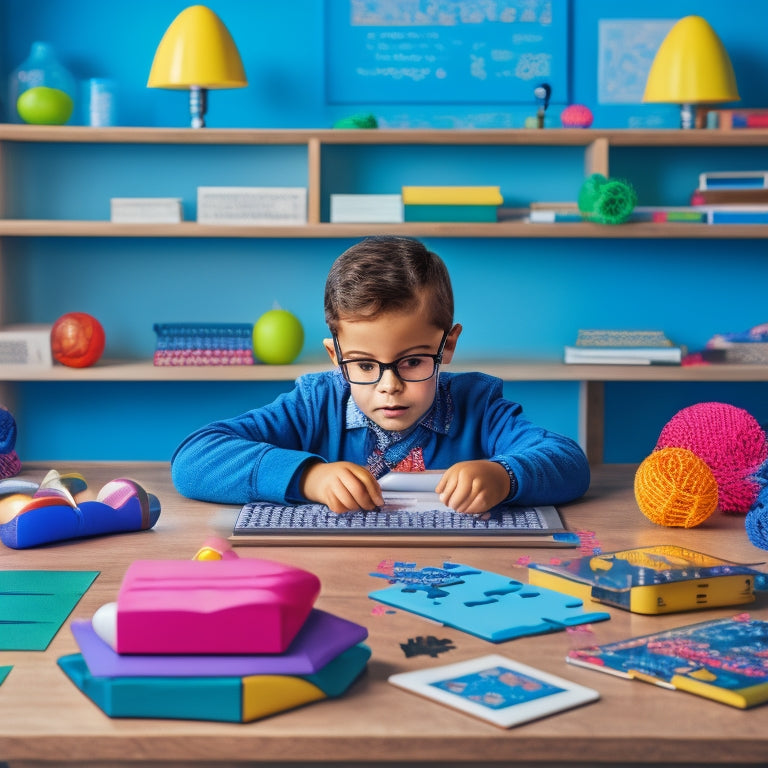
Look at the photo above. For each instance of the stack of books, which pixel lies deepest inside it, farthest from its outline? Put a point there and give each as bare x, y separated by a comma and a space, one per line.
733, 197
599, 347
475, 204
551, 213
747, 347
204, 344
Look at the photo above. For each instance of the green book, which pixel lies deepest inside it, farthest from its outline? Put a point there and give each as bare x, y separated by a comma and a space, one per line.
474, 213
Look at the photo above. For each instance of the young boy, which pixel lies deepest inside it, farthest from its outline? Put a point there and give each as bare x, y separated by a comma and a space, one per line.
389, 307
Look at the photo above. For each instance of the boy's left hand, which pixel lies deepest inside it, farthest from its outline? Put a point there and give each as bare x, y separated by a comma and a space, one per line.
474, 486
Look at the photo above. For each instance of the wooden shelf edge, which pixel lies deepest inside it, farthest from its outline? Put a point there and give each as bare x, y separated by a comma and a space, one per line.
496, 136
544, 370
502, 229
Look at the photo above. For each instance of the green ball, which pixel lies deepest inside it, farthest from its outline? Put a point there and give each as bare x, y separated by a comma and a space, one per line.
45, 106
278, 337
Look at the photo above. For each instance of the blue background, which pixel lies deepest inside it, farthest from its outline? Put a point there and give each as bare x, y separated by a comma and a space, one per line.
516, 298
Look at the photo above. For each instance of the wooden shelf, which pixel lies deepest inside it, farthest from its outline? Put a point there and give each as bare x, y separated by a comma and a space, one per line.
511, 229
501, 137
524, 370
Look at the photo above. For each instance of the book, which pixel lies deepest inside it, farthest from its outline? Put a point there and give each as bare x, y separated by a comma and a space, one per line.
733, 180
658, 579
450, 212
622, 347
755, 214
365, 209
729, 197
452, 195
725, 660
729, 119
656, 214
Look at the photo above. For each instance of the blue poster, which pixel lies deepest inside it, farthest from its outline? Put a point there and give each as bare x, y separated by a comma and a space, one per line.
445, 51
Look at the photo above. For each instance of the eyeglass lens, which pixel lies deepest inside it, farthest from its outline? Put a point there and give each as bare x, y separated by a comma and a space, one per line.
411, 368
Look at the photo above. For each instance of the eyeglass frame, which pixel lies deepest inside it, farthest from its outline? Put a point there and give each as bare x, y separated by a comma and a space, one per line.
437, 360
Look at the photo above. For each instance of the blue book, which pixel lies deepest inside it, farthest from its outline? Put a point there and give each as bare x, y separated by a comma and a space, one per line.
733, 180
738, 216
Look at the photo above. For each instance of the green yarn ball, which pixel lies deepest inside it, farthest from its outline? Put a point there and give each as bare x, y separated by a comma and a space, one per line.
365, 120
606, 201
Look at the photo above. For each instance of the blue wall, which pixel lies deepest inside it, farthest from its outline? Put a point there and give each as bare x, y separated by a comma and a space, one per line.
515, 298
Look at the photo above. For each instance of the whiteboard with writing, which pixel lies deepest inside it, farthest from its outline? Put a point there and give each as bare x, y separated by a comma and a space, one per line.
445, 51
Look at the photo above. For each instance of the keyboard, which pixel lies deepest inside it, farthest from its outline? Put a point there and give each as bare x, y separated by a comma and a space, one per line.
315, 518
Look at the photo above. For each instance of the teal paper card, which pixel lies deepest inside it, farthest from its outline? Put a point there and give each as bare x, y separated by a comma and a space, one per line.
35, 604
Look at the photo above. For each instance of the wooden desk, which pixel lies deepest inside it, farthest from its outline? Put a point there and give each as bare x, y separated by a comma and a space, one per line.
45, 720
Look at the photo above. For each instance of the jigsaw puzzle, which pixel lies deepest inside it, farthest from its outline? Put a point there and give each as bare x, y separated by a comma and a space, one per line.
488, 605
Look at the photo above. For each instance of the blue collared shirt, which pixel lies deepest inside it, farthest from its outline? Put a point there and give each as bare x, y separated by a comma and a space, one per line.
261, 454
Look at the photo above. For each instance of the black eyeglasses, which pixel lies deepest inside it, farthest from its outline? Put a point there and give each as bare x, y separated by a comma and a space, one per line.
409, 368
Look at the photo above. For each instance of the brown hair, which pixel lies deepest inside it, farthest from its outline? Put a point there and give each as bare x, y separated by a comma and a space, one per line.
384, 274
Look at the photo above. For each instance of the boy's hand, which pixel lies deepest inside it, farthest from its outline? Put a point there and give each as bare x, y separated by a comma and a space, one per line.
342, 486
474, 486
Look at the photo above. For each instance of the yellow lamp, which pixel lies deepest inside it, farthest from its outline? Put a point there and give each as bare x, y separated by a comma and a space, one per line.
691, 67
197, 52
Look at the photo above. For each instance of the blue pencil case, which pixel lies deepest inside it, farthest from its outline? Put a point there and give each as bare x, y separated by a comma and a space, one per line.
50, 513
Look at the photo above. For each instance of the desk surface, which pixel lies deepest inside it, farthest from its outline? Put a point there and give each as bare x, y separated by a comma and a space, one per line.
45, 719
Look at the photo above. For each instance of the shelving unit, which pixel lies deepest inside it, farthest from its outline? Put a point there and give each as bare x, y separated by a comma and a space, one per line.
597, 147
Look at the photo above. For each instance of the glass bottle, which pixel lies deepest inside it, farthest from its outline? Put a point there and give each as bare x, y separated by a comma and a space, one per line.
41, 67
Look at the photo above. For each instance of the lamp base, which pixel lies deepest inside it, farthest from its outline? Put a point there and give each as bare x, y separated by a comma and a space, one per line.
687, 116
198, 104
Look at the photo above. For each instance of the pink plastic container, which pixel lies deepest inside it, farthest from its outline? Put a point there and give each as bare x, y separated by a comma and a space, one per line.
243, 606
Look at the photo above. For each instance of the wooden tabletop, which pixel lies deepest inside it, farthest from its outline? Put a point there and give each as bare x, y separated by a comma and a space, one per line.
44, 719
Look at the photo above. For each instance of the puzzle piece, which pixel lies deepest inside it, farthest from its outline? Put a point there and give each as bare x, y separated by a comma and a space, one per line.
489, 605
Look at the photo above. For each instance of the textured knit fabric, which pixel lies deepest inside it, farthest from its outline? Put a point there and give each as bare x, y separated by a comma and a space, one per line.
9, 460
261, 454
674, 487
729, 440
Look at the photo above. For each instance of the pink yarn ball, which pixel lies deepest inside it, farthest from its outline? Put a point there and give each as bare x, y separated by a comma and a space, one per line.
576, 116
729, 440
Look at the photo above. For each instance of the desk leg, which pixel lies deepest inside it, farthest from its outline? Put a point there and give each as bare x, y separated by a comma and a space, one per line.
592, 420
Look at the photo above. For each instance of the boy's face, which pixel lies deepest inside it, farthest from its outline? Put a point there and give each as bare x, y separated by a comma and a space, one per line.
392, 403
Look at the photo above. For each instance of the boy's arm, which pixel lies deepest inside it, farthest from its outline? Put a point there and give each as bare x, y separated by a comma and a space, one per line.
548, 468
258, 455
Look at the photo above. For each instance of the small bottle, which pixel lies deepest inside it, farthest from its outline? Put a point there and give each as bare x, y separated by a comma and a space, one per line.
41, 67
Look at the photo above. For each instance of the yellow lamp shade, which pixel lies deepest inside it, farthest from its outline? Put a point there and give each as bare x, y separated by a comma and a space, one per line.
691, 67
197, 50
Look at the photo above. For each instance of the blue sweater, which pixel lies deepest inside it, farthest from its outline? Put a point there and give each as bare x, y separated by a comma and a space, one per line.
261, 454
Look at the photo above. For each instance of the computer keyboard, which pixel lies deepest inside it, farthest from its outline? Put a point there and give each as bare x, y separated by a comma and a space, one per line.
306, 518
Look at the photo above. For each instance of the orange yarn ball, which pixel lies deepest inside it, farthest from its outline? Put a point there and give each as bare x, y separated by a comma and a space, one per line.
674, 487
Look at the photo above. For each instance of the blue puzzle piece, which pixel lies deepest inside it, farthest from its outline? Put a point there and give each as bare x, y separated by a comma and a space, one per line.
489, 605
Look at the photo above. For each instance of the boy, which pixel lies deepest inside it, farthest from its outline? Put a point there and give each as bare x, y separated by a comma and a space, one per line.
389, 307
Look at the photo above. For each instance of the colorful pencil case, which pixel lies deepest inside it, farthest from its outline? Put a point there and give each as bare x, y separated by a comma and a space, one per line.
242, 605
50, 513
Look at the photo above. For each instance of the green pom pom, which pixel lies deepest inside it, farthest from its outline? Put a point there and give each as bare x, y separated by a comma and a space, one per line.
606, 201
366, 120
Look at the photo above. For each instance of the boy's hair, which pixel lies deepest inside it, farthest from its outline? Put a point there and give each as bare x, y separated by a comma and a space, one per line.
384, 274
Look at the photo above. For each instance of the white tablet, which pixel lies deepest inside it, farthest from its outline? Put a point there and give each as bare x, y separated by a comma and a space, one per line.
494, 688
424, 482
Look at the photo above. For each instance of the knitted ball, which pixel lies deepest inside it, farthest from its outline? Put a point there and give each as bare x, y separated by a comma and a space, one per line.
756, 521
729, 440
674, 487
576, 116
9, 460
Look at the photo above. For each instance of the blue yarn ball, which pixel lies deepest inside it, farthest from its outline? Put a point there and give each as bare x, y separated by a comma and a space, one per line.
756, 521
7, 431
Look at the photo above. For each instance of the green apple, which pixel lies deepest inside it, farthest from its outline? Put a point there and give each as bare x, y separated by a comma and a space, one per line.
278, 337
45, 106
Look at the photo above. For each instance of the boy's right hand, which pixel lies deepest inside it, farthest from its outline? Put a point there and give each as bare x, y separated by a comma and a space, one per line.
342, 486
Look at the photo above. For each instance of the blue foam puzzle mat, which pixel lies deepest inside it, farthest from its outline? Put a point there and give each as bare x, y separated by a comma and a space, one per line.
488, 605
